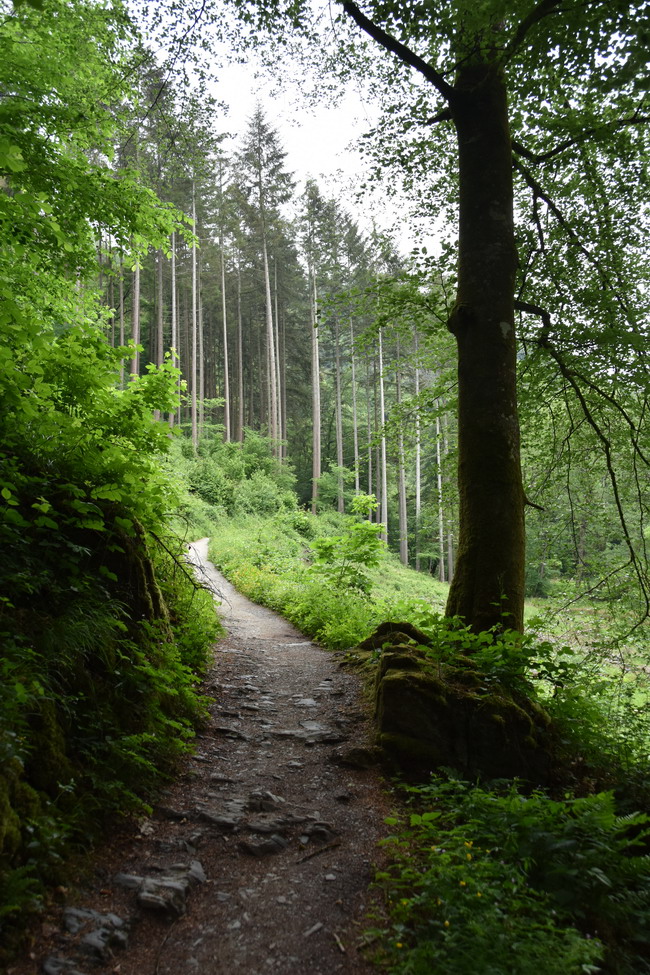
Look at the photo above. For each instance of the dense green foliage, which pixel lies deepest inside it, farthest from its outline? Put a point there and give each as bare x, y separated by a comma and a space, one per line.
496, 880
103, 632
269, 559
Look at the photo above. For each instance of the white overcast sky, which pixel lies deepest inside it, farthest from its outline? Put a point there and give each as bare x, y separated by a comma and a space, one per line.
319, 143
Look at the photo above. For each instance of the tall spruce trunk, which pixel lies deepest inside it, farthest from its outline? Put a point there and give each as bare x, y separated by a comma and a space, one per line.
240, 358
174, 317
383, 473
369, 427
270, 357
195, 335
418, 457
488, 584
355, 431
338, 414
121, 302
401, 473
441, 510
226, 369
135, 320
315, 395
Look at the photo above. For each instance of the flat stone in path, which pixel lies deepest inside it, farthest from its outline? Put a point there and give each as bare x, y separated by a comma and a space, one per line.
258, 859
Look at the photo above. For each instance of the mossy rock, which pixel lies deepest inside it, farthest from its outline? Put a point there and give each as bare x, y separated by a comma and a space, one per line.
431, 714
394, 634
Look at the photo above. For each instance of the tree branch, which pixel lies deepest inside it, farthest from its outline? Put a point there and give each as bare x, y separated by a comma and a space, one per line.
543, 9
390, 43
542, 157
570, 376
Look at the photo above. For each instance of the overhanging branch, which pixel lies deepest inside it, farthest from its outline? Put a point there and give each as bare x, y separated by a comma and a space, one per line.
585, 136
404, 53
571, 378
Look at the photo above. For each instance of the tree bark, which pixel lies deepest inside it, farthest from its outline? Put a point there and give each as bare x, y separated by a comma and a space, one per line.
401, 474
441, 510
355, 431
135, 320
418, 457
195, 330
226, 369
315, 394
488, 585
240, 358
383, 474
338, 415
121, 301
174, 323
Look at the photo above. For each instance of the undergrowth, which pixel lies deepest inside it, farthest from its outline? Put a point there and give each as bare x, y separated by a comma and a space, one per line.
98, 699
270, 559
496, 880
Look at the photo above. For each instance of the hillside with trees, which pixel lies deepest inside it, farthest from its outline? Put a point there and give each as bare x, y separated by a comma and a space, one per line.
197, 340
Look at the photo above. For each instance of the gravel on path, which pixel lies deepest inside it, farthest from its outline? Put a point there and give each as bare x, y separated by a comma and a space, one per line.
259, 857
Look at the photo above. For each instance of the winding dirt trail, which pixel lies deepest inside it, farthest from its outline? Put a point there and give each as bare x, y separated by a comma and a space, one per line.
258, 858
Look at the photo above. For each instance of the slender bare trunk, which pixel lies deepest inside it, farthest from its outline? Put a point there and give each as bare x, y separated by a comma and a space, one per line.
315, 395
135, 320
418, 458
195, 333
355, 431
450, 519
226, 370
201, 351
401, 476
278, 371
382, 412
270, 353
369, 429
338, 415
174, 335
441, 512
121, 301
240, 358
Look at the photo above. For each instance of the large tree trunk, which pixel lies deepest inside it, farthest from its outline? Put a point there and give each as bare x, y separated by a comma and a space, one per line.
488, 585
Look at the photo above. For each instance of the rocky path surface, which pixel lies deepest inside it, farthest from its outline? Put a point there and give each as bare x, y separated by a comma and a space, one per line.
259, 857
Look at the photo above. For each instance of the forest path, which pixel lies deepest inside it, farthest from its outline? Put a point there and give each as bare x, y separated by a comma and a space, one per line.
284, 831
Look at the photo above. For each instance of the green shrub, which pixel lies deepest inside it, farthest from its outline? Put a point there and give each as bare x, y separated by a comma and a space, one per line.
496, 881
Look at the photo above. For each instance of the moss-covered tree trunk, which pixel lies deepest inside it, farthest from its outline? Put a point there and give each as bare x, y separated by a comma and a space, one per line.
488, 584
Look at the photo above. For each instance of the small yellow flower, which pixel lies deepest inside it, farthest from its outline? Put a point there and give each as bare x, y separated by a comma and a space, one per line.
479, 894
438, 901
404, 901
469, 856
462, 883
446, 924
398, 944
470, 844
434, 848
